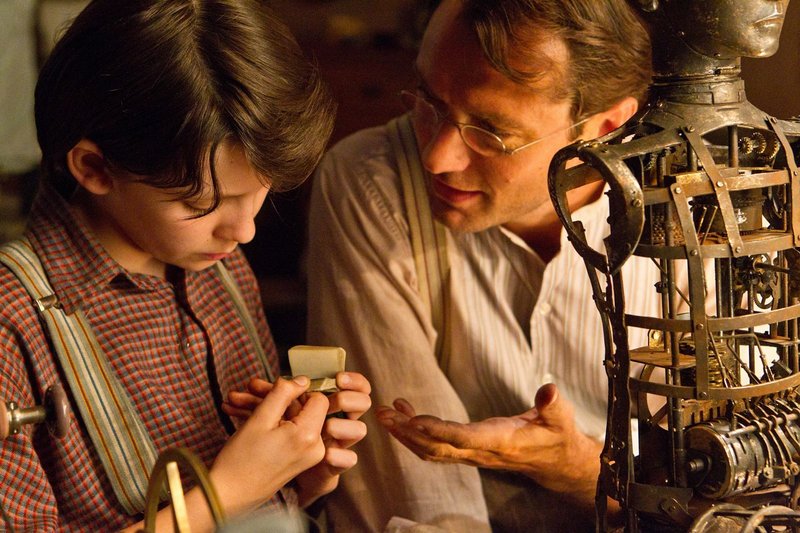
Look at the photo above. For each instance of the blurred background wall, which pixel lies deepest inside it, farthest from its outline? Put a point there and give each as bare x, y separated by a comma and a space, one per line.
364, 48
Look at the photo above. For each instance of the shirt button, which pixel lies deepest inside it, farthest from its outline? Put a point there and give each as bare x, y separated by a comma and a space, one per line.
544, 308
547, 378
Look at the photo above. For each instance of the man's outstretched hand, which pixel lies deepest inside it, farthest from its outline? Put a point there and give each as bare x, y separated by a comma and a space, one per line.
542, 443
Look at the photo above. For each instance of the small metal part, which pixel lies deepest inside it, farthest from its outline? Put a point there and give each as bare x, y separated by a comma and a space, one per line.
47, 302
54, 412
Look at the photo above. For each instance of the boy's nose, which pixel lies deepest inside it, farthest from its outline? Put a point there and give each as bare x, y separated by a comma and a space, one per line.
241, 228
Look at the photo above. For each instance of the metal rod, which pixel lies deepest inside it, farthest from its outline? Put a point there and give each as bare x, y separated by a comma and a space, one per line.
733, 146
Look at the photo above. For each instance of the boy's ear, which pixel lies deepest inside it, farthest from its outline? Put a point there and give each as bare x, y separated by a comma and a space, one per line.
87, 164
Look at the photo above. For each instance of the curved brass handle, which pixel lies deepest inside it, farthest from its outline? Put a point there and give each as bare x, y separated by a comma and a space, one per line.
167, 467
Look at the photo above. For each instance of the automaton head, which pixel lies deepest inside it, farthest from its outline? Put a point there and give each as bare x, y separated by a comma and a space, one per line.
714, 29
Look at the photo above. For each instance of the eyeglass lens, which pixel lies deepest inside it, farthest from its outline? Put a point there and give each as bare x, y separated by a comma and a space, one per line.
426, 114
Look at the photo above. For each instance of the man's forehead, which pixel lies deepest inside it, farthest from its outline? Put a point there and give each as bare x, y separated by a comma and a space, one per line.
540, 56
531, 54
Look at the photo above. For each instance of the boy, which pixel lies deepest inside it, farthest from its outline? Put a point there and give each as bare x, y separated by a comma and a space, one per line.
163, 125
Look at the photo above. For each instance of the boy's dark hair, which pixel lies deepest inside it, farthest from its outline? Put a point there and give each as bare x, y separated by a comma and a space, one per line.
608, 49
159, 84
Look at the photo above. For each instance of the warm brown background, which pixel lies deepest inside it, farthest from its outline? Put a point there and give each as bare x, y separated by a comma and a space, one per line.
773, 83
365, 49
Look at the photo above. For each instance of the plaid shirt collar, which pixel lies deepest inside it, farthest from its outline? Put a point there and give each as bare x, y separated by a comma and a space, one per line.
77, 265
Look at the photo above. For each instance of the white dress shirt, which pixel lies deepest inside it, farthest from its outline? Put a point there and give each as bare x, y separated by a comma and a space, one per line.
518, 323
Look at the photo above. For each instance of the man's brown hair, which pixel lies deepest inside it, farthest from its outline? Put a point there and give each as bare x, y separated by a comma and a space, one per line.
608, 49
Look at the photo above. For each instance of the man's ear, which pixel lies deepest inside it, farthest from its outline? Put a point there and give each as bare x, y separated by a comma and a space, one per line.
88, 166
617, 115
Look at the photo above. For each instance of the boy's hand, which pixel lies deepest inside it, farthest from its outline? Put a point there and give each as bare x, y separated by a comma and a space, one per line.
280, 439
338, 434
240, 404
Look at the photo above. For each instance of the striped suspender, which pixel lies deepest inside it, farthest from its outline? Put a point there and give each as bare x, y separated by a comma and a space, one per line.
116, 430
115, 427
233, 291
236, 296
428, 237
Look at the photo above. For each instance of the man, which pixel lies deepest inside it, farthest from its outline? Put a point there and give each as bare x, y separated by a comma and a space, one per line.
502, 86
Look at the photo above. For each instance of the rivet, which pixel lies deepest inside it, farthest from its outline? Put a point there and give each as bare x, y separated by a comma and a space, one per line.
720, 183
693, 252
678, 190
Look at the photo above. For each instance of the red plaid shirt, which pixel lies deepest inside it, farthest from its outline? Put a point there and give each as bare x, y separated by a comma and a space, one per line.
176, 348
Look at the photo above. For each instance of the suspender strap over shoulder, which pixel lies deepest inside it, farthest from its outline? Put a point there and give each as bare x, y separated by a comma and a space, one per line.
115, 427
116, 430
428, 236
236, 296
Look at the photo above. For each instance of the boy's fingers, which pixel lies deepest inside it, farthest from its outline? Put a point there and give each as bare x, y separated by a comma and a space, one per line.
346, 432
353, 403
340, 460
283, 393
244, 400
259, 387
294, 409
312, 414
230, 410
353, 381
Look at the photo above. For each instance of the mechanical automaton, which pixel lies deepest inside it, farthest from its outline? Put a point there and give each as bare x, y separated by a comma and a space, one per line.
703, 428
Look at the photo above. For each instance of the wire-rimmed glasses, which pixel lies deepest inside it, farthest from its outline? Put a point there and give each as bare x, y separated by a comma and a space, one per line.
478, 139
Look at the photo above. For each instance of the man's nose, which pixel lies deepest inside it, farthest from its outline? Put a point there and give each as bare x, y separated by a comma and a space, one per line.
445, 151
